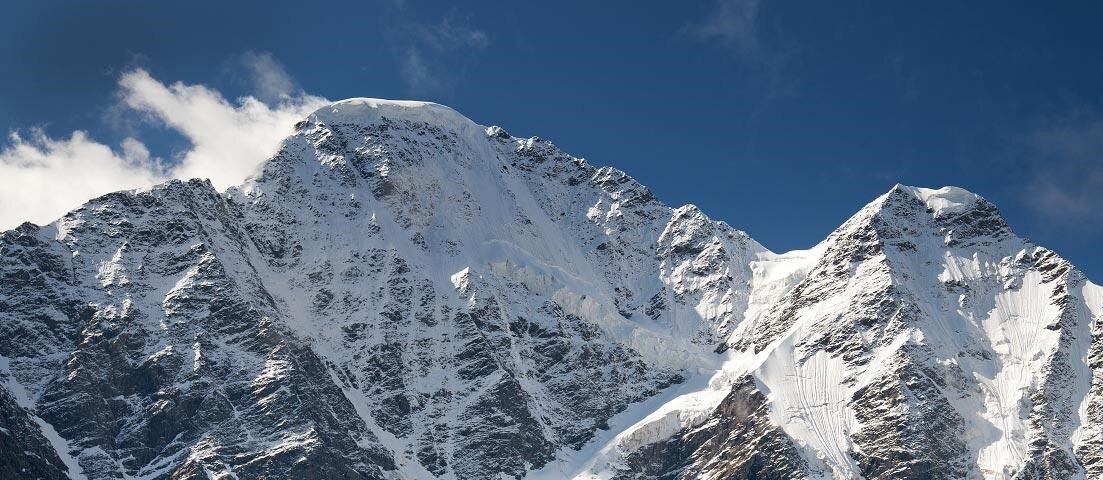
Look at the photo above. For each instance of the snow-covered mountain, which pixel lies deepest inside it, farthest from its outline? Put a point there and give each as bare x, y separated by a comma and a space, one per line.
402, 293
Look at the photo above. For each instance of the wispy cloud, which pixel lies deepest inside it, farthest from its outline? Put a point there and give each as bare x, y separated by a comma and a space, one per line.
1066, 186
270, 80
419, 77
434, 57
903, 76
41, 177
735, 25
453, 32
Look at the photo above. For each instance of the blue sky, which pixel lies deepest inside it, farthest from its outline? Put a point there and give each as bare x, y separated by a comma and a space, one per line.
782, 118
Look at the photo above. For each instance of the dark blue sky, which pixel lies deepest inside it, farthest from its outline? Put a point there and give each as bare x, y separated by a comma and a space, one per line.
782, 118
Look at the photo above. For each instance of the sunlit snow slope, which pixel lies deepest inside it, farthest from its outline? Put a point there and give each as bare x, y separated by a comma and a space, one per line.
402, 293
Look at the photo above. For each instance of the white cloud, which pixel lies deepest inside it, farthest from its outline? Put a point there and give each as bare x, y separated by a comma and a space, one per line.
227, 140
41, 177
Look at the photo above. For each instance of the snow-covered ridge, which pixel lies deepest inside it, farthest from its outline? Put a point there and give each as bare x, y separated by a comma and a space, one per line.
402, 293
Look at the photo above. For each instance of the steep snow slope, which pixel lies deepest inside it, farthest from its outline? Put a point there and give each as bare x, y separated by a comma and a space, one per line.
403, 293
477, 302
927, 341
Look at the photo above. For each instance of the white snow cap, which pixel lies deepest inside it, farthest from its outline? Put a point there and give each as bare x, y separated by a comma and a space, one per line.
946, 200
367, 110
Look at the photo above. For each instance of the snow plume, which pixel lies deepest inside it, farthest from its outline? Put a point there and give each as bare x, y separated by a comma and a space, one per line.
42, 177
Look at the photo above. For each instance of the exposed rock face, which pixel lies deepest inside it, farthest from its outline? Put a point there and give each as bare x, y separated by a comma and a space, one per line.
24, 451
401, 293
737, 440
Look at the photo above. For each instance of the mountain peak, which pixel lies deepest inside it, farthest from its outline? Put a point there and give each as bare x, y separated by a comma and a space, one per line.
957, 216
944, 201
365, 111
402, 293
960, 213
945, 206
